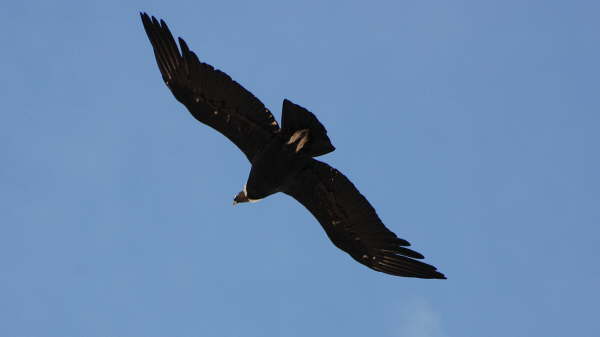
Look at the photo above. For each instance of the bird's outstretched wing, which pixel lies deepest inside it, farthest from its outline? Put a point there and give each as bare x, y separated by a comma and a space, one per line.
353, 225
210, 95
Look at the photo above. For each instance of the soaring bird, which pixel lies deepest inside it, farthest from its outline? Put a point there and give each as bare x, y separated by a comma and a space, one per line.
282, 158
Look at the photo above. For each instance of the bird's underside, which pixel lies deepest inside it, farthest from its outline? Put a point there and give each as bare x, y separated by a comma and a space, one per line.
282, 158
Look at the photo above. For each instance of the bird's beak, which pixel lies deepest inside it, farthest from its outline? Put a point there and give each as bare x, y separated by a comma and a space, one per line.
240, 197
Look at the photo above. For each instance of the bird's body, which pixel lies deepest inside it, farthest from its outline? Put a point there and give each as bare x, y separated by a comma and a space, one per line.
274, 168
283, 158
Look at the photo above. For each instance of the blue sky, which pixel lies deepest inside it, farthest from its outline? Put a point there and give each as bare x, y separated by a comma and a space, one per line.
471, 126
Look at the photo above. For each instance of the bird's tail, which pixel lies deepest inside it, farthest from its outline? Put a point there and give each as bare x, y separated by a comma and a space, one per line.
305, 133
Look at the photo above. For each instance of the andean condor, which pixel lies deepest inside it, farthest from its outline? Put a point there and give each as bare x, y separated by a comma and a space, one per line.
282, 158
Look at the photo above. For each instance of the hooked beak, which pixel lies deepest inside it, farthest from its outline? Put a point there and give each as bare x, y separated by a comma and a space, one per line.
240, 197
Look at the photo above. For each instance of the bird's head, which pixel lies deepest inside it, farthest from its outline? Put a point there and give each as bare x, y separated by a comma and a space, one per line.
240, 197
243, 197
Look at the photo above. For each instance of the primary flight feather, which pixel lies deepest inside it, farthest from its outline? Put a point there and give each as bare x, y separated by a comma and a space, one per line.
282, 157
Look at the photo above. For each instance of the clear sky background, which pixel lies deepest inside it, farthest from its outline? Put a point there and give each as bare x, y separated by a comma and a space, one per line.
471, 126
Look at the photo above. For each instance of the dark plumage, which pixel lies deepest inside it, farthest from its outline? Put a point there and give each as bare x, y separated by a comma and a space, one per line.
282, 158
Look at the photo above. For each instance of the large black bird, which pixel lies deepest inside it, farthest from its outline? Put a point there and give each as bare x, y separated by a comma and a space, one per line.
282, 158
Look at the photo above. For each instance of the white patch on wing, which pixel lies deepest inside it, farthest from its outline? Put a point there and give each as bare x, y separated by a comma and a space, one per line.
301, 135
296, 135
303, 141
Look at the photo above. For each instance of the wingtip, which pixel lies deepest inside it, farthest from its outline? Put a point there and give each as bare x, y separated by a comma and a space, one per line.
183, 45
410, 253
403, 242
435, 274
440, 276
145, 16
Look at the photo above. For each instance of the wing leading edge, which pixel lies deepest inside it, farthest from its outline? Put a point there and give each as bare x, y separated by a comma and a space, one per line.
211, 96
353, 225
